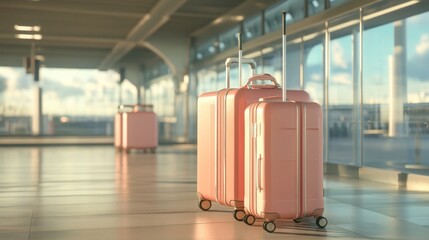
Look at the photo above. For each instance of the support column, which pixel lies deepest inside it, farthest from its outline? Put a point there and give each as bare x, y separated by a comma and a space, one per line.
36, 125
398, 125
135, 76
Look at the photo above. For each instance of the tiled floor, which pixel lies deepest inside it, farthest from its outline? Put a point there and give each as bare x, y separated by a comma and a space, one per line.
96, 193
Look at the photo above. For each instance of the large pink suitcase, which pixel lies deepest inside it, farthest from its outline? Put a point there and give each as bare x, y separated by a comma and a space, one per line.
221, 140
140, 129
284, 160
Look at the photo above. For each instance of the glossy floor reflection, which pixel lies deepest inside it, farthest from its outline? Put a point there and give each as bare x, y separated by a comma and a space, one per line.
96, 193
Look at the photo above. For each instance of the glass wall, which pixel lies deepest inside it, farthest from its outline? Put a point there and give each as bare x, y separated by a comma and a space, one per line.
295, 11
74, 102
16, 98
396, 95
228, 39
343, 91
313, 72
252, 27
315, 6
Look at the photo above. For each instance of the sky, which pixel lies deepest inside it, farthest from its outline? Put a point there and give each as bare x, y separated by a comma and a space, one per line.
65, 92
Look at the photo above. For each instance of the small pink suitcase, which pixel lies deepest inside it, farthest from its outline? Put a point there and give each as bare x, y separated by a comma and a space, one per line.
221, 140
140, 129
284, 160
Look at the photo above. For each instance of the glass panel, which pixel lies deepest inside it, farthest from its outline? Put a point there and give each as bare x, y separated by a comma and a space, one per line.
207, 80
252, 27
335, 3
313, 69
315, 6
162, 96
343, 93
272, 62
228, 39
396, 95
206, 49
16, 101
75, 101
293, 65
273, 17
81, 102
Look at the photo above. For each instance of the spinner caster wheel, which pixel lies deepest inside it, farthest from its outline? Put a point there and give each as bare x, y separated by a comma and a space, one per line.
239, 215
322, 222
269, 226
249, 219
205, 205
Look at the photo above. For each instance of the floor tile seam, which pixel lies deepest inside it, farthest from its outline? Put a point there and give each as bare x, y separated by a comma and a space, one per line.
91, 195
32, 214
107, 203
128, 227
115, 214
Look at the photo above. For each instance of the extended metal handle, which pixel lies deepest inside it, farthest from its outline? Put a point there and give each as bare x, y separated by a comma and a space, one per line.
240, 58
230, 61
284, 93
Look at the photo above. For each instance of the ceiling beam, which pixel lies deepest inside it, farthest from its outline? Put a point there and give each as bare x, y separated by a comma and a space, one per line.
72, 10
147, 25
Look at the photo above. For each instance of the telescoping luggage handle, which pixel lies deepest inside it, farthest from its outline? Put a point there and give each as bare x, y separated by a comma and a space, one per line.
240, 60
284, 92
230, 61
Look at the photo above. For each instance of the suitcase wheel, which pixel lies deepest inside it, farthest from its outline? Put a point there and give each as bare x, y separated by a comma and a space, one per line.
269, 226
322, 222
249, 219
297, 220
205, 205
239, 215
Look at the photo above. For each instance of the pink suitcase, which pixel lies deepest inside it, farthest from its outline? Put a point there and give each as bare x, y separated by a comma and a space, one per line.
284, 160
140, 129
221, 140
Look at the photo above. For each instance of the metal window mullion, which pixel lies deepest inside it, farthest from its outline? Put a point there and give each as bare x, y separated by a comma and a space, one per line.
326, 88
361, 81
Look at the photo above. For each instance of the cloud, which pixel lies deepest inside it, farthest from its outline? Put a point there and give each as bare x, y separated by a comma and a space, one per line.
61, 90
341, 78
417, 64
338, 57
422, 47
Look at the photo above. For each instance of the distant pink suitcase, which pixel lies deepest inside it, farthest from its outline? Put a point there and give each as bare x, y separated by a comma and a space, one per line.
140, 129
221, 140
284, 160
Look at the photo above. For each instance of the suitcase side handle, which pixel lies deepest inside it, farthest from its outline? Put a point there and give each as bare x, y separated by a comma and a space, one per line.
124, 107
267, 77
230, 61
259, 184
